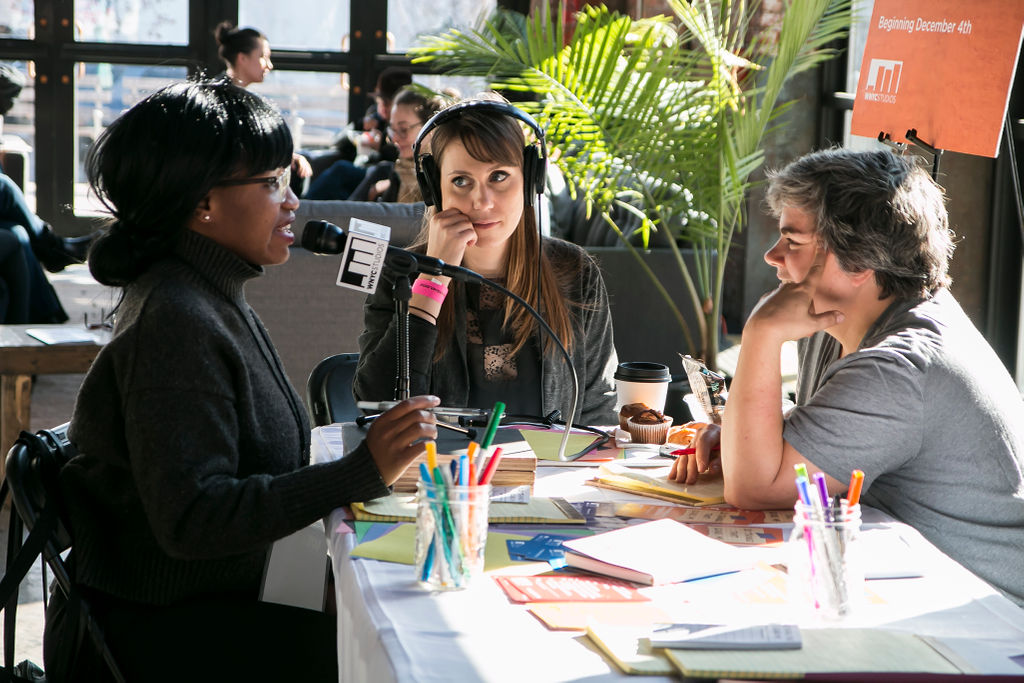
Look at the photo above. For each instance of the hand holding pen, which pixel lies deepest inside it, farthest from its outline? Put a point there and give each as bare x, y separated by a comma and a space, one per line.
703, 459
396, 438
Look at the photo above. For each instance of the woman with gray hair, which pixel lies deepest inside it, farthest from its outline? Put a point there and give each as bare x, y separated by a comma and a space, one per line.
893, 377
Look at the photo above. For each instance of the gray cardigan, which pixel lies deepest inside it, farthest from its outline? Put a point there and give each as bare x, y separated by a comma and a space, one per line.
593, 352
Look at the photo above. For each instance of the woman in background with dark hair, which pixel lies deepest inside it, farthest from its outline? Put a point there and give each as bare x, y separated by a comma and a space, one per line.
246, 53
395, 181
469, 344
193, 446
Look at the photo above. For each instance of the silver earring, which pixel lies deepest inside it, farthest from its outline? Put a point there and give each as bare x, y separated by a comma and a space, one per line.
206, 217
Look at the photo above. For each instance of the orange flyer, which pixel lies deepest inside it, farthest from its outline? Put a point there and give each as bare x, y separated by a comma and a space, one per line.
942, 67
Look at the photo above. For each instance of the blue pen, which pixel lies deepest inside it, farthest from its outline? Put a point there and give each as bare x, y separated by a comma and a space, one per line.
463, 470
441, 533
449, 529
453, 466
804, 490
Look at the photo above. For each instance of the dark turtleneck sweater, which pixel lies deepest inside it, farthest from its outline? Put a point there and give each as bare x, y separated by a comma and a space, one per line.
194, 447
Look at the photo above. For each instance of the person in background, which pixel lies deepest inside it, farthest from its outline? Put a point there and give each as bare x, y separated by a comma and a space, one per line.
193, 447
340, 179
469, 344
893, 377
246, 54
395, 181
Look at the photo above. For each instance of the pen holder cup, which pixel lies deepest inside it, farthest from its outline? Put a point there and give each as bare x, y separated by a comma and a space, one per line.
451, 534
825, 561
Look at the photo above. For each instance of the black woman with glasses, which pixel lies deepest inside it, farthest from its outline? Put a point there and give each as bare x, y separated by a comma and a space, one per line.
193, 448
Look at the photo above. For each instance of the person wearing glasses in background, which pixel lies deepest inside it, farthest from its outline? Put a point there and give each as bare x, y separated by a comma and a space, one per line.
246, 53
395, 181
193, 447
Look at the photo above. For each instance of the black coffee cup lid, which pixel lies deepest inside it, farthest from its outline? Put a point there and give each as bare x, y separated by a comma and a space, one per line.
642, 371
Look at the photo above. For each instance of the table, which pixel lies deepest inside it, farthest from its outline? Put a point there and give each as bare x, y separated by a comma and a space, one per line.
21, 357
391, 630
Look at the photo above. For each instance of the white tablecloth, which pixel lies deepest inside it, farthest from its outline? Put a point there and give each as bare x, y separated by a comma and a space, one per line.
389, 629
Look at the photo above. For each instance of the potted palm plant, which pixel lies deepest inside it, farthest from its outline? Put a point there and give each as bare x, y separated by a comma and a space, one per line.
659, 118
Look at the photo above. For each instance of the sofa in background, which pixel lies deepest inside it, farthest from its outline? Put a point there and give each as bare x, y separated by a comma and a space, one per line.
310, 318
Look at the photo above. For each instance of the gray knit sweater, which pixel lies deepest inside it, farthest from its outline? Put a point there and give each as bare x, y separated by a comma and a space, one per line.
194, 447
593, 353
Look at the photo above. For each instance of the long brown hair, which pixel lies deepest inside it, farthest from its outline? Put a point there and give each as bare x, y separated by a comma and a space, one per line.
494, 137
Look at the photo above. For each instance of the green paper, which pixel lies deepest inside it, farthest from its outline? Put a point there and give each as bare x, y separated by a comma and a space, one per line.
400, 546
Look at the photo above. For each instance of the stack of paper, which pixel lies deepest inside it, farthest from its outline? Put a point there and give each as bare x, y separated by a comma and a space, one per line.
709, 490
517, 466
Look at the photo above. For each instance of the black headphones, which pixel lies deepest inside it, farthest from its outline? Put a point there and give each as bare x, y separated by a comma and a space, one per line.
535, 155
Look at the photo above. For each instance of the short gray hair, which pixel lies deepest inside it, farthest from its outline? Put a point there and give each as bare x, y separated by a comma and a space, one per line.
875, 211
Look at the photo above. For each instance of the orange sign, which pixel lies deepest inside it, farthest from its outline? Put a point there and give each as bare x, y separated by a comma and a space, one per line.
942, 67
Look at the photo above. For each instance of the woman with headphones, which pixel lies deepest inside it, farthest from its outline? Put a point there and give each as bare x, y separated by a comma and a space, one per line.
469, 344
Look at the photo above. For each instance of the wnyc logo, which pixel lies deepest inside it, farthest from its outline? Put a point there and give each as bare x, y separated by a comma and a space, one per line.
883, 80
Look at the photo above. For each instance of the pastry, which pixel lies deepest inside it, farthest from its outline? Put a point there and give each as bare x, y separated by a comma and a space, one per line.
649, 426
629, 410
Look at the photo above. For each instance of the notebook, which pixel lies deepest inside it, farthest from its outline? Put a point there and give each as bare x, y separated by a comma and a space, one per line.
662, 551
655, 484
824, 651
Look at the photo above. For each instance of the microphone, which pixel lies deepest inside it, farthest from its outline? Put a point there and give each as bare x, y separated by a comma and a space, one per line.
365, 250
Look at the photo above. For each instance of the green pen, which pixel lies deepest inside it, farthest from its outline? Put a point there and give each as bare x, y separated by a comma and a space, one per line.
492, 425
801, 470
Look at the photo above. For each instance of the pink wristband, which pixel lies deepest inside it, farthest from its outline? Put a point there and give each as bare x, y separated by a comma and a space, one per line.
430, 289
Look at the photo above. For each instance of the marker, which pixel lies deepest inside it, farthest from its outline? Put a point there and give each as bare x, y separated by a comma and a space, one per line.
492, 466
819, 480
804, 490
801, 470
431, 455
856, 482
463, 470
381, 406
492, 425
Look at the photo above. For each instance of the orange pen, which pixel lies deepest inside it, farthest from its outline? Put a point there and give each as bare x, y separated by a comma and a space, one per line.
856, 481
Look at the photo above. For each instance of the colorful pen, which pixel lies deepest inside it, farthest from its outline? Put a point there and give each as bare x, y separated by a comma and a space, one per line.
492, 466
856, 482
801, 470
492, 424
431, 455
463, 470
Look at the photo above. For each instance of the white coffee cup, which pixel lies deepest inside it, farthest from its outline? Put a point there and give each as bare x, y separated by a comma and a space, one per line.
642, 382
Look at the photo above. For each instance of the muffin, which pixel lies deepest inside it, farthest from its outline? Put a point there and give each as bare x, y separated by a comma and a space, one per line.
649, 426
629, 410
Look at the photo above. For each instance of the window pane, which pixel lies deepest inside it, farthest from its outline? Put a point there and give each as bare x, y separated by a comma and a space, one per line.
102, 92
159, 22
313, 103
298, 24
16, 18
858, 38
407, 19
19, 136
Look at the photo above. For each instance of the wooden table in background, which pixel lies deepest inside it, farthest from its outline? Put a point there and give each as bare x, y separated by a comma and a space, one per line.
21, 357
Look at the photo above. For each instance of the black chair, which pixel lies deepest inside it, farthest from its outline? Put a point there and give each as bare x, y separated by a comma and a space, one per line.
329, 390
33, 465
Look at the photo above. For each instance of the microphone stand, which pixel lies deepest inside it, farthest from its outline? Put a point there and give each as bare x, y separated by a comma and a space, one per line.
402, 266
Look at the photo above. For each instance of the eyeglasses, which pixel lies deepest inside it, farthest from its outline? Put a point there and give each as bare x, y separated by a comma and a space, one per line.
405, 132
278, 184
